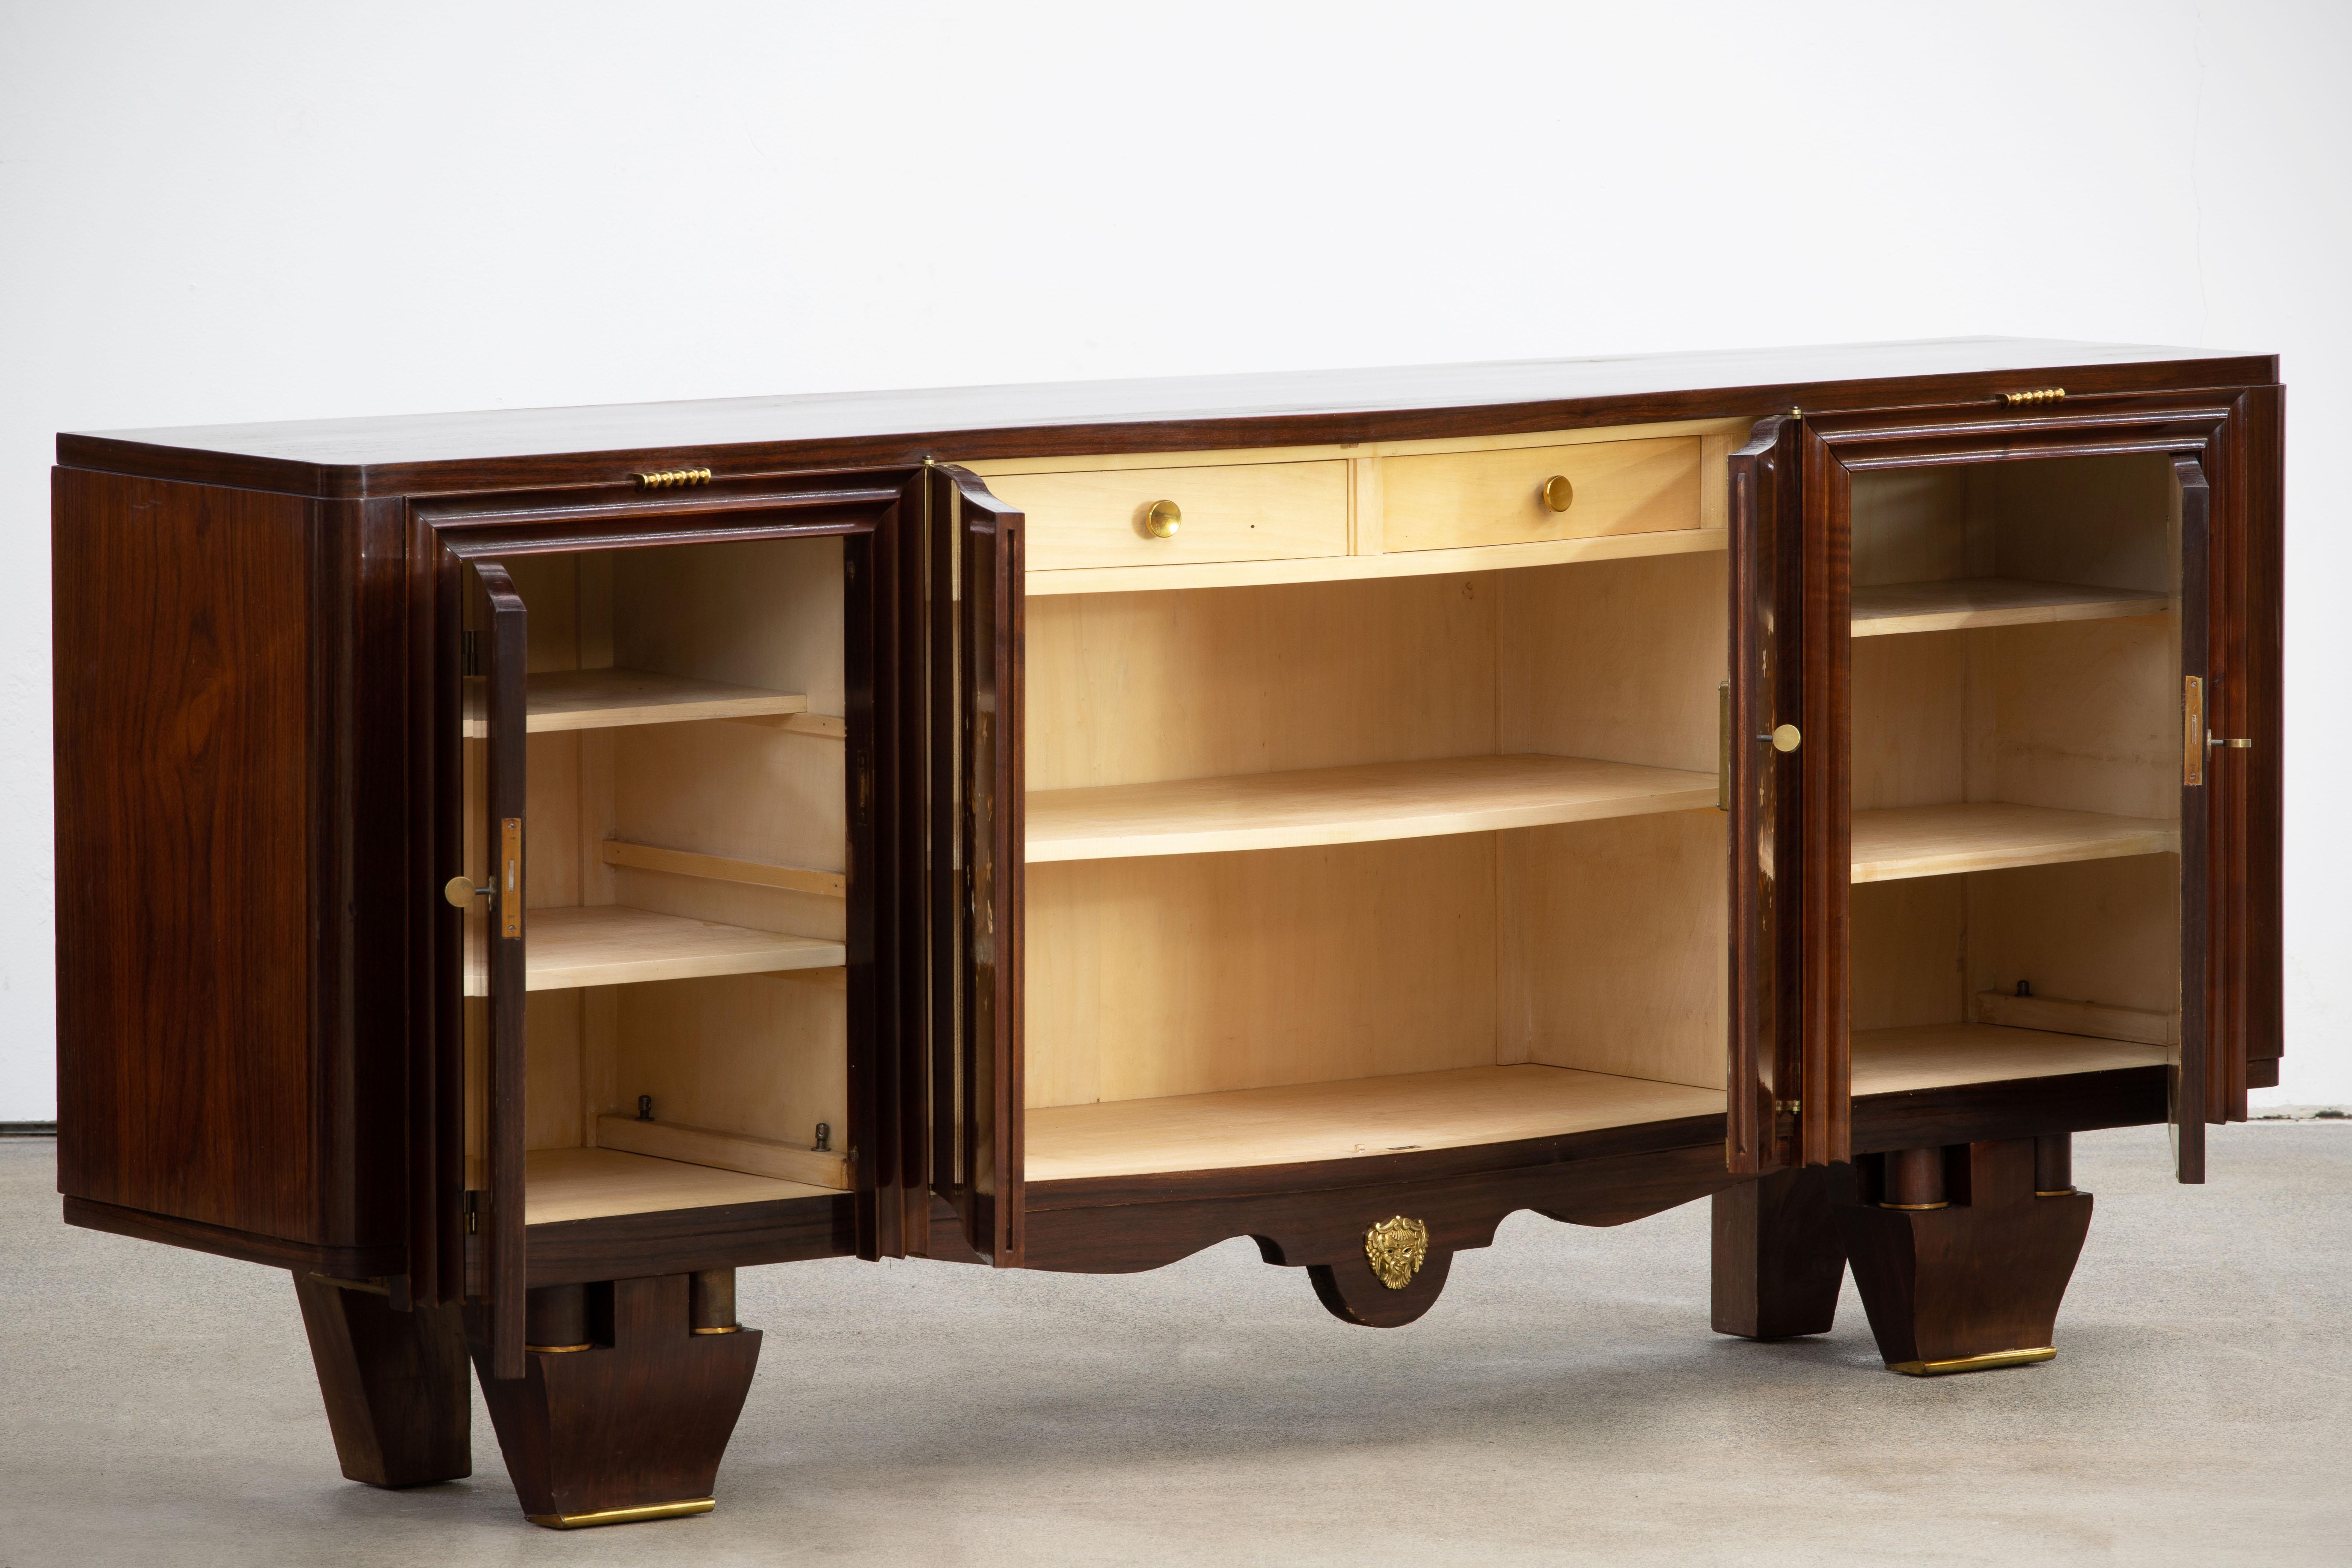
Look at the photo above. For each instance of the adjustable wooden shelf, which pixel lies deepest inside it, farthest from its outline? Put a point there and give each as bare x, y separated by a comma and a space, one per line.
517, 868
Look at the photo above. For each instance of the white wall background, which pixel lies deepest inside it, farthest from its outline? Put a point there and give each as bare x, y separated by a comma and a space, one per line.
258, 211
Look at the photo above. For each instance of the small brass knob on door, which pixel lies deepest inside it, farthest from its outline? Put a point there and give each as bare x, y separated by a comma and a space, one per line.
461, 892
1557, 493
1786, 737
1164, 518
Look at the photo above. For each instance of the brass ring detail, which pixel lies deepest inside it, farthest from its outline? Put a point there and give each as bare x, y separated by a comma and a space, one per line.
1917, 1207
729, 1329
559, 1350
622, 1515
2056, 1193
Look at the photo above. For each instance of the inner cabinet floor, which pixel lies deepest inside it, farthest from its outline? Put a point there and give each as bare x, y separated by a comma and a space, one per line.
1327, 870
686, 879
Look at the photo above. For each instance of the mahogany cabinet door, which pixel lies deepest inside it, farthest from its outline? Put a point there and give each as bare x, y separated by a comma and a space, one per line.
1774, 1066
497, 633
977, 781
2199, 435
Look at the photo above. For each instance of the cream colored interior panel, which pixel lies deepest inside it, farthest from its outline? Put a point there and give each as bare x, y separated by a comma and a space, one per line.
745, 1054
1616, 659
1192, 973
1613, 946
1203, 682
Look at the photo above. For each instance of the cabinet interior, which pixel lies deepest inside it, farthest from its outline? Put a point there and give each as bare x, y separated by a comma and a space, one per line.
1320, 869
686, 877
2016, 770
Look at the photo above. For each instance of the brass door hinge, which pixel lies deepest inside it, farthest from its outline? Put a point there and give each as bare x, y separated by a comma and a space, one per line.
1789, 1107
509, 894
2192, 731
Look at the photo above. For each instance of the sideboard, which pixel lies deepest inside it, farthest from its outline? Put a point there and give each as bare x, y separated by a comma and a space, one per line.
516, 868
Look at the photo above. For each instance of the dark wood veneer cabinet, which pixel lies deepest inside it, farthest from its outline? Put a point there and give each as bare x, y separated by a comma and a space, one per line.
516, 868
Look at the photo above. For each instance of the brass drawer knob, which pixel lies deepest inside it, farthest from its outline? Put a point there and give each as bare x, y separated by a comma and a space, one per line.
1557, 493
1164, 518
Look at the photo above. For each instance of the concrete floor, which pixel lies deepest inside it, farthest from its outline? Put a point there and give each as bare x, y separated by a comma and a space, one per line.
1563, 1403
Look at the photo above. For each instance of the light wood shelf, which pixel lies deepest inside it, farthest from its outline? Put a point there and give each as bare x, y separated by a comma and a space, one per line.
1985, 836
1348, 806
613, 944
609, 699
1932, 1056
589, 1183
1344, 1119
1964, 603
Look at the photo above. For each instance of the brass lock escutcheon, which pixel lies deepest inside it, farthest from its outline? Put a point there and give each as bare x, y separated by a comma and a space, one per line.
1557, 493
1162, 518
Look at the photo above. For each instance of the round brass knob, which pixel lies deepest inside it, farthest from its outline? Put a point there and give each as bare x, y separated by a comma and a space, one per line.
461, 892
1164, 518
1557, 493
1786, 737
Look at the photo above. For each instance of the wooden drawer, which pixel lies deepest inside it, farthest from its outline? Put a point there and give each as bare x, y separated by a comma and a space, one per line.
1253, 512
1444, 501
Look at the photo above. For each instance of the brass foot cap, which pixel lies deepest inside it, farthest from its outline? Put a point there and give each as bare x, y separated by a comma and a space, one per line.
623, 1515
1985, 1363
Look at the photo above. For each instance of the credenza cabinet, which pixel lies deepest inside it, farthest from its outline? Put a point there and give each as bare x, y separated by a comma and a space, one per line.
516, 868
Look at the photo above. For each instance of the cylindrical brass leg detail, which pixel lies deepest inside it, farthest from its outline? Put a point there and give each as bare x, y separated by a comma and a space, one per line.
555, 1318
710, 1302
2054, 1165
1915, 1179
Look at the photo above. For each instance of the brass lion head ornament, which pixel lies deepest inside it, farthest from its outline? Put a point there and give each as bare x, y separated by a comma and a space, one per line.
1396, 1248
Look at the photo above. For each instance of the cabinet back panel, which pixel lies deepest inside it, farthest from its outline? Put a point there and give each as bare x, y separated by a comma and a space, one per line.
756, 1055
1615, 659
1195, 683
1614, 944
1181, 974
757, 613
189, 1059
2087, 716
554, 1085
2111, 521
2105, 931
2093, 931
1909, 948
2077, 715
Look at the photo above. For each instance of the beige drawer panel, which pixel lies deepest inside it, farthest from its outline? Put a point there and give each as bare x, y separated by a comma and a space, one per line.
1448, 499
1255, 511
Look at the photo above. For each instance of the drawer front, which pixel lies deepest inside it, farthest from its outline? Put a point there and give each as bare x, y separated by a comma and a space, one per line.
1255, 511
1447, 500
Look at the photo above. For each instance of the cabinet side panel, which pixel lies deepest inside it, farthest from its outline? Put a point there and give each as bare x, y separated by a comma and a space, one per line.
181, 627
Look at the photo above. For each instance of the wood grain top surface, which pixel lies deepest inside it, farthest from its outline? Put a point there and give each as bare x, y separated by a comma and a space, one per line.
400, 440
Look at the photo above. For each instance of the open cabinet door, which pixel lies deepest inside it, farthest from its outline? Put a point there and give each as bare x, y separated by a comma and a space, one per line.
496, 715
2187, 1102
975, 549
1763, 745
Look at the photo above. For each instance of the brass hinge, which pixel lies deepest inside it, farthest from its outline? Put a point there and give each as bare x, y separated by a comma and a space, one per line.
509, 894
1789, 1107
2192, 731
474, 1206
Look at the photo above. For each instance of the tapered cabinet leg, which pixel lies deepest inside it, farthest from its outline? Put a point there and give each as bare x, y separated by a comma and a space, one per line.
630, 1393
398, 1398
1961, 1255
1779, 1261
